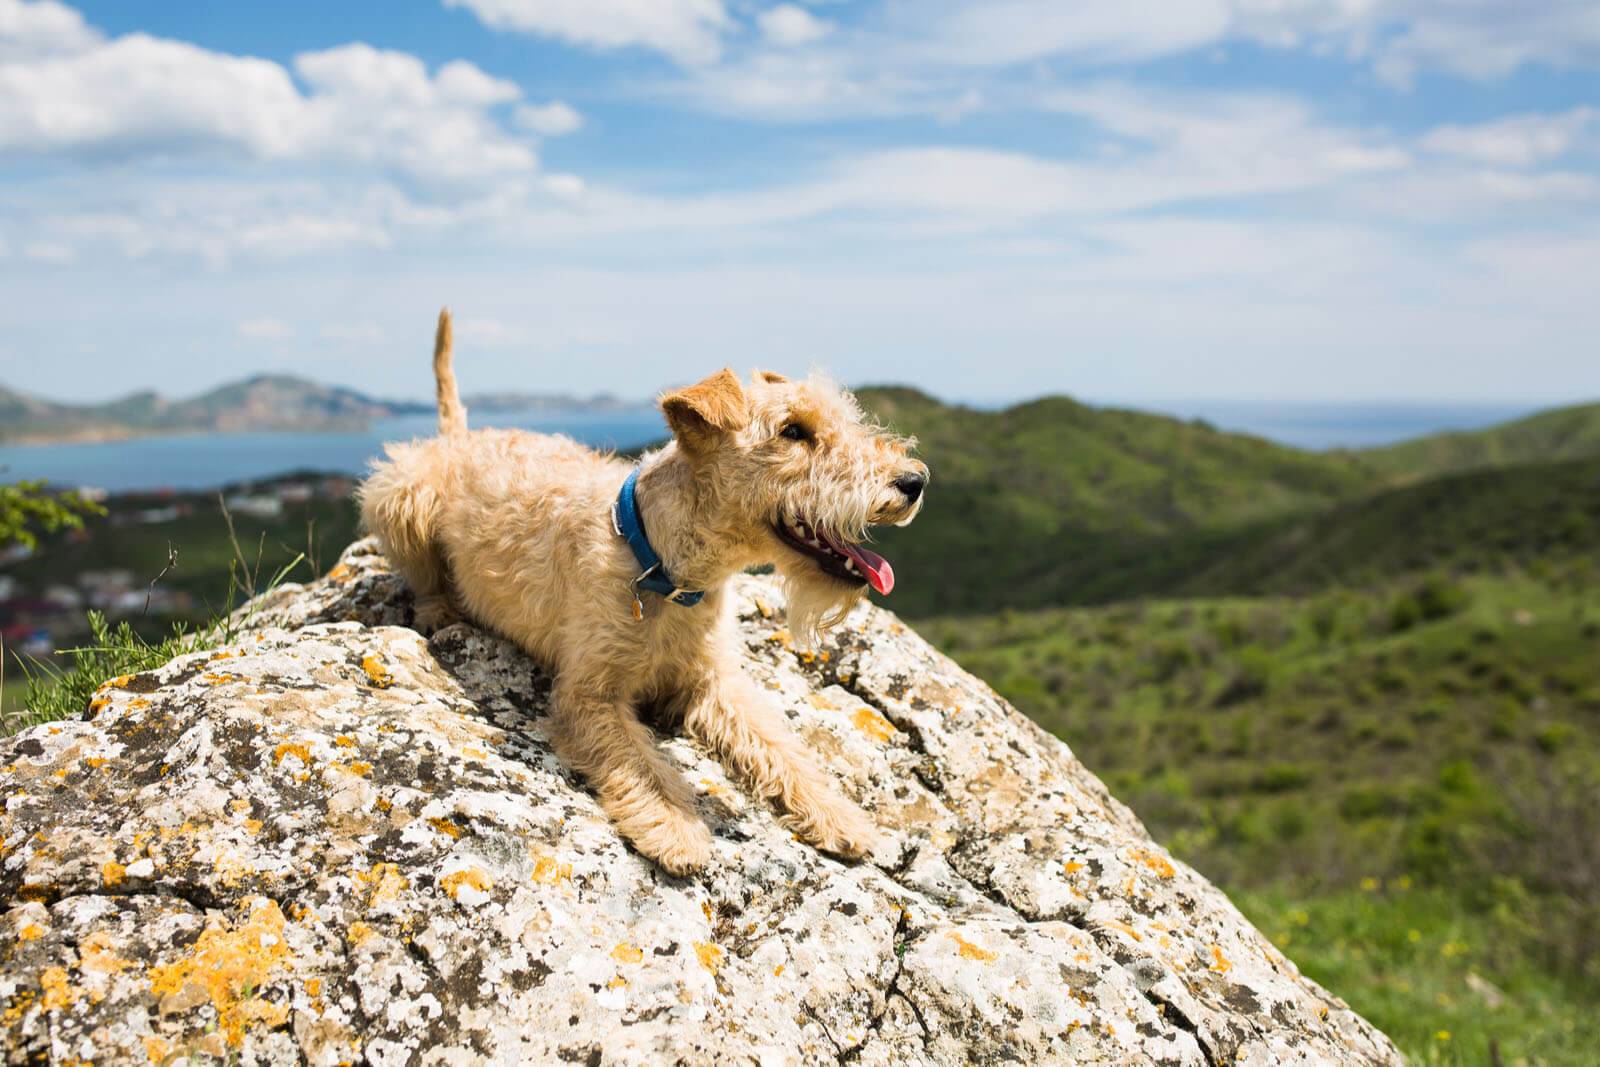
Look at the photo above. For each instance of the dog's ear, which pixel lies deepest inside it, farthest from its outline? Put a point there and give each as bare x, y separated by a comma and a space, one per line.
771, 377
699, 413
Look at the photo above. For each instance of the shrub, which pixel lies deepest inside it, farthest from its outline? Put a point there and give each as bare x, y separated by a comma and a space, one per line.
1282, 777
1404, 613
1439, 598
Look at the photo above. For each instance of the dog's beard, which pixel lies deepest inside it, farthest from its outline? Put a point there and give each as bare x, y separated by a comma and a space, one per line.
816, 602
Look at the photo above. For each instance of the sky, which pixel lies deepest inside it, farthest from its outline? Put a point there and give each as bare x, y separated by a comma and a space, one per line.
1145, 201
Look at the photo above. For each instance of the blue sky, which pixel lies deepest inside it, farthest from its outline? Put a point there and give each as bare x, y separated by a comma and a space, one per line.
1151, 201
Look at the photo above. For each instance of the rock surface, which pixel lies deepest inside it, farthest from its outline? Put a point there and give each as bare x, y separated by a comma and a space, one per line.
335, 841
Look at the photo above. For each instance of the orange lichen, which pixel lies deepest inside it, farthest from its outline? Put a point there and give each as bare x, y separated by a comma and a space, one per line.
138, 703
386, 882
626, 953
445, 826
359, 768
969, 951
617, 982
783, 638
227, 966
340, 572
377, 674
1156, 862
1221, 964
1072, 867
777, 972
547, 871
97, 703
30, 932
360, 933
58, 992
1125, 928
820, 702
344, 741
113, 873
470, 877
156, 1049
873, 724
710, 955
95, 955
292, 748
95, 762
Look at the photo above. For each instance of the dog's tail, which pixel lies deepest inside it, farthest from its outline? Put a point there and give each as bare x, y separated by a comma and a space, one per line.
452, 415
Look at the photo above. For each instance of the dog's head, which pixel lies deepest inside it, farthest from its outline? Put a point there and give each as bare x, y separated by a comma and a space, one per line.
800, 475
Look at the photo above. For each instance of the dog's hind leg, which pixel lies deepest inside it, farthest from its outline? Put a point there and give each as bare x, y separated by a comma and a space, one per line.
403, 512
725, 711
600, 736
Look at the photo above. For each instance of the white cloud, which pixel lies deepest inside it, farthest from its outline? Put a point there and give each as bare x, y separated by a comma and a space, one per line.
550, 120
356, 333
689, 31
788, 26
265, 329
149, 97
1518, 141
53, 252
490, 333
31, 30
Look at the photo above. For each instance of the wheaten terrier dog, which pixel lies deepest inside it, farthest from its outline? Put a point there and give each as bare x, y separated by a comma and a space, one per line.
616, 576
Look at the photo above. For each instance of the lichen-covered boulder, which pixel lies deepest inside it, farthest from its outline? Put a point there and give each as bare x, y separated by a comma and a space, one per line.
334, 841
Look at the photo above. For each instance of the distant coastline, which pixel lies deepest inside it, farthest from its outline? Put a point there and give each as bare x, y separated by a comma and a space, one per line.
260, 404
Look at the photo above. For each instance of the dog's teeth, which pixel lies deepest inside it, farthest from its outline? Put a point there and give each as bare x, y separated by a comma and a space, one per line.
850, 565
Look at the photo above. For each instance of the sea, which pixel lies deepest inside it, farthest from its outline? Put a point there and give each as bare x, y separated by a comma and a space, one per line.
207, 461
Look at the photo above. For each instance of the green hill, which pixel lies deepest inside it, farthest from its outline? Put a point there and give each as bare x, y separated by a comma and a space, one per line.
1057, 502
1031, 505
1563, 433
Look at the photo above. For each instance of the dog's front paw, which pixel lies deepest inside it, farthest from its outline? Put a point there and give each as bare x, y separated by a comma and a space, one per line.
681, 845
836, 825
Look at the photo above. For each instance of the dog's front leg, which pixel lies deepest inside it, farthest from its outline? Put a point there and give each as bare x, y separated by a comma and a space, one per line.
728, 713
601, 737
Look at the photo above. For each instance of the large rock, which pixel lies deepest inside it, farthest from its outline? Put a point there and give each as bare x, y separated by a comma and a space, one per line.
336, 841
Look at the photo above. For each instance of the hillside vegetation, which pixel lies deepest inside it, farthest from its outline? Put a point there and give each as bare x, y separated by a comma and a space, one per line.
1398, 784
1056, 502
1564, 433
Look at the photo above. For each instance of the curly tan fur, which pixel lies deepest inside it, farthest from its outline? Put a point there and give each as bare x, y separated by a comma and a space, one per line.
514, 530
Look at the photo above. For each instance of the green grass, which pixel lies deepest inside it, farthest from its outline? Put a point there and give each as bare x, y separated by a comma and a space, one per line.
1444, 978
1441, 732
1563, 433
1055, 502
50, 691
61, 687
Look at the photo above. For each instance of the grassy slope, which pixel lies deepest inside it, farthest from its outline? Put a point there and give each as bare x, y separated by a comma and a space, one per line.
1564, 433
1054, 502
1048, 502
1356, 766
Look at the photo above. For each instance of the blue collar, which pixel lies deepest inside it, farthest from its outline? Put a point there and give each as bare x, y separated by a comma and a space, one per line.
628, 523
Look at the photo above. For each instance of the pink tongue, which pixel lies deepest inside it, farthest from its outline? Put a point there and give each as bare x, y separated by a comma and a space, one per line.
874, 566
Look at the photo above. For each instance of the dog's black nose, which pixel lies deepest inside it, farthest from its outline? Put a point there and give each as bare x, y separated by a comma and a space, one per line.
911, 485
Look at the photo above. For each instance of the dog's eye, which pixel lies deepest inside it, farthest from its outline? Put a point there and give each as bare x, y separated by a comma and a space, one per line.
795, 432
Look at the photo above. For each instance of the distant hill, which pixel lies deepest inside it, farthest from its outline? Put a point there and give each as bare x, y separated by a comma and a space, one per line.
263, 403
1032, 505
1056, 502
1562, 433
266, 402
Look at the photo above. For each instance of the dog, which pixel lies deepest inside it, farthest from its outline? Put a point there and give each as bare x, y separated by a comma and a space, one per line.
615, 577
